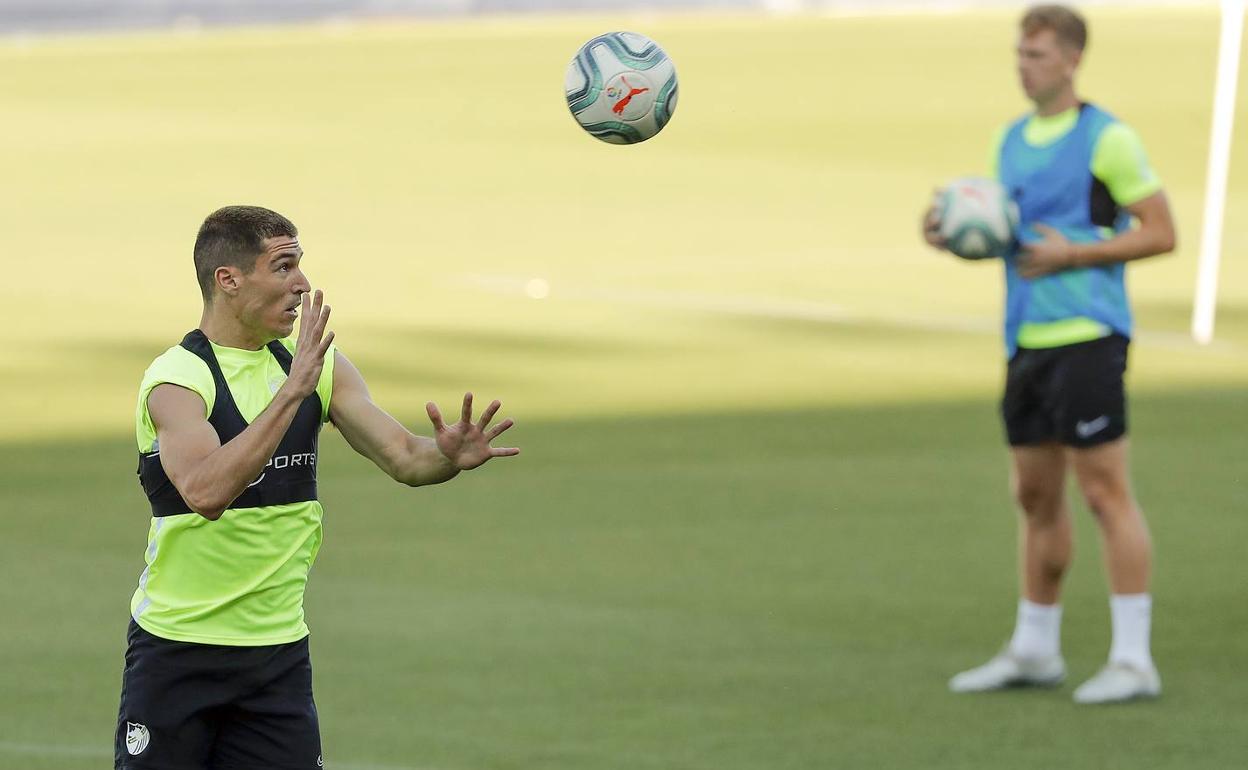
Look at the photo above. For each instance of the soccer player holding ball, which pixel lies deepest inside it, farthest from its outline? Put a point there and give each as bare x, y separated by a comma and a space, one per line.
1080, 178
217, 670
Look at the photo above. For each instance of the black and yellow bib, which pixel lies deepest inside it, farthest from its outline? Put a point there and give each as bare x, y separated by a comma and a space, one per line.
238, 580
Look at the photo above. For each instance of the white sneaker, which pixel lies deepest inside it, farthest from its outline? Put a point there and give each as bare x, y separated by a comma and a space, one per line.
1119, 682
1009, 670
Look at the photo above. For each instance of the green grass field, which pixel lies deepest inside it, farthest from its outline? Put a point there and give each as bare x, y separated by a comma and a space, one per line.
761, 513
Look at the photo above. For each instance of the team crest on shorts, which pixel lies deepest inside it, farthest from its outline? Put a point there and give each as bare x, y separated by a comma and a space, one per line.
137, 738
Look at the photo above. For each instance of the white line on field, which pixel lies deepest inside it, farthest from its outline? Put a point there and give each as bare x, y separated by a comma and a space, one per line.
790, 309
732, 304
56, 750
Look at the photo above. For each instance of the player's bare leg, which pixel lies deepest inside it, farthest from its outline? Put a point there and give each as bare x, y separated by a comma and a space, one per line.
1103, 476
1033, 655
1103, 479
1038, 483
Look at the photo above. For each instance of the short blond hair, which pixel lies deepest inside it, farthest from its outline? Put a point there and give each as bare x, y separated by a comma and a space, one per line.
1066, 23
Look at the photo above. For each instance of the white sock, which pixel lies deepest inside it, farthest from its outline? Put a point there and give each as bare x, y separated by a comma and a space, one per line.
1038, 630
1131, 615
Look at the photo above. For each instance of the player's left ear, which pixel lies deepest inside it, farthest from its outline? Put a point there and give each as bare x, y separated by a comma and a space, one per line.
228, 278
1073, 57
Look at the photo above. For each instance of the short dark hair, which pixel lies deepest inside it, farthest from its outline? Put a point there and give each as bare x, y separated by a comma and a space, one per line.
235, 236
1065, 22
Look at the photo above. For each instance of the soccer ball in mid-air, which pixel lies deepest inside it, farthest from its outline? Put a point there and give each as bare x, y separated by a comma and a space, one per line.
977, 218
621, 87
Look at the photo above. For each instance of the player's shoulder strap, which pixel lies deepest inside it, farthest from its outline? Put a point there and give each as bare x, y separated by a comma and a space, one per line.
1093, 120
225, 416
1097, 112
1011, 132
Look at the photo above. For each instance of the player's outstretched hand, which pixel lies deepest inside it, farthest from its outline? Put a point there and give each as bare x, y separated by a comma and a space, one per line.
1050, 254
310, 346
465, 443
931, 222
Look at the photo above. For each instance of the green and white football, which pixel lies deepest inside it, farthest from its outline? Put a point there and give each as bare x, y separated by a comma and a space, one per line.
977, 218
621, 87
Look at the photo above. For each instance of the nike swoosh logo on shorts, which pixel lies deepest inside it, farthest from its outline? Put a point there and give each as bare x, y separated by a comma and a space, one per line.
1092, 427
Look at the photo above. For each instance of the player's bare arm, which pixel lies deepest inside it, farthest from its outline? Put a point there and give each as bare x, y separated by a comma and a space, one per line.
208, 475
405, 457
1154, 235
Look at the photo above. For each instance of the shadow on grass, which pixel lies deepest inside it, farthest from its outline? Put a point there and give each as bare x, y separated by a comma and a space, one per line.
734, 580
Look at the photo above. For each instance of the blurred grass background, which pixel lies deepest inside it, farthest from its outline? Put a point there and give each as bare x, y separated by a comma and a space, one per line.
761, 513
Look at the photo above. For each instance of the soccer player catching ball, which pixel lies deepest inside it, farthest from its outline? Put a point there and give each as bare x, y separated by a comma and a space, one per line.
217, 671
1080, 177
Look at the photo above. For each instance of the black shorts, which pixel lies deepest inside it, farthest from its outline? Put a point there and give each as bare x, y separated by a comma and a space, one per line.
187, 706
1073, 394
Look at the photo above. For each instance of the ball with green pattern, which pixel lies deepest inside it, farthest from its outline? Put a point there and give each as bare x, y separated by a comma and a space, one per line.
621, 87
977, 218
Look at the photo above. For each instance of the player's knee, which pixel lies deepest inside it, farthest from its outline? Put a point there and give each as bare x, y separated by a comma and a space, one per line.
1053, 565
1037, 501
1105, 498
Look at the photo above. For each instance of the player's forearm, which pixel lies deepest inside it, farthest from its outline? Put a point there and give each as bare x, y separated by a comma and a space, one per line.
1134, 244
226, 472
420, 463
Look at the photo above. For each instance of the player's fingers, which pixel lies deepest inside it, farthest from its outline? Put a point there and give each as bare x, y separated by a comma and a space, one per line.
304, 323
435, 416
508, 451
498, 429
323, 348
313, 317
488, 414
321, 322
466, 414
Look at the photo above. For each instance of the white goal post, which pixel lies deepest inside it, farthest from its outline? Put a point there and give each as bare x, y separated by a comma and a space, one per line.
1206, 301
